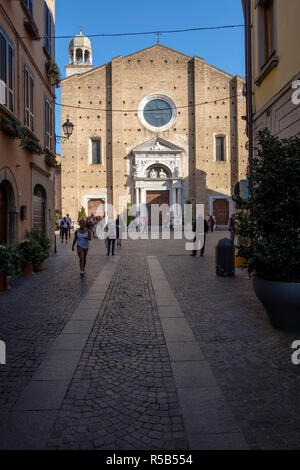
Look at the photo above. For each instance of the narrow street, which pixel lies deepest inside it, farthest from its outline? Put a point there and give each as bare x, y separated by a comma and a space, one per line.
151, 350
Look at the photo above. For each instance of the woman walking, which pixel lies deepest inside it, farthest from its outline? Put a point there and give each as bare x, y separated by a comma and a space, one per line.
82, 238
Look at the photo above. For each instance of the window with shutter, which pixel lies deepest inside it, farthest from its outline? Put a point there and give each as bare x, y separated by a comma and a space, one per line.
28, 99
6, 73
49, 125
29, 5
49, 30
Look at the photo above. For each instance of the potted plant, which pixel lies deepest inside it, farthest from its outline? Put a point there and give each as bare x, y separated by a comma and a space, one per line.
9, 264
10, 127
45, 246
30, 252
53, 72
268, 228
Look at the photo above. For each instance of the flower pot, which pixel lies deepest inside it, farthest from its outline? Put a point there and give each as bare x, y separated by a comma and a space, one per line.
28, 268
38, 267
238, 261
1, 283
6, 286
11, 131
281, 301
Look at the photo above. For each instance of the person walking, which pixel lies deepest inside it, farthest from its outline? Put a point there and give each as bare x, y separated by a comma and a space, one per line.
206, 228
99, 228
69, 220
232, 227
82, 237
118, 231
111, 236
64, 229
88, 224
212, 223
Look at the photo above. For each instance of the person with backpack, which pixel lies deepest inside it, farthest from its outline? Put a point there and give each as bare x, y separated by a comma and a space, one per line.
232, 227
82, 237
64, 229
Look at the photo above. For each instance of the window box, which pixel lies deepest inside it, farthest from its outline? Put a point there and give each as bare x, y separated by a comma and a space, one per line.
9, 124
30, 142
10, 127
50, 159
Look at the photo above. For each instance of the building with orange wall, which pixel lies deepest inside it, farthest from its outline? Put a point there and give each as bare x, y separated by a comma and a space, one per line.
27, 140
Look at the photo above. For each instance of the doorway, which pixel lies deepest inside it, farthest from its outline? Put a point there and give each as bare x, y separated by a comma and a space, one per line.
221, 211
39, 209
3, 214
96, 207
157, 197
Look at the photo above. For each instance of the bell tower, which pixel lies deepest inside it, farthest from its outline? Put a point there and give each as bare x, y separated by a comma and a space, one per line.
80, 55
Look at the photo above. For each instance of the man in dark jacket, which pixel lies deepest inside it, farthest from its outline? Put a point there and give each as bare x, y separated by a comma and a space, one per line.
206, 228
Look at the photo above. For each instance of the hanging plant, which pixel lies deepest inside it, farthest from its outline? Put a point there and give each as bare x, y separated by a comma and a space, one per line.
31, 145
53, 72
50, 160
10, 127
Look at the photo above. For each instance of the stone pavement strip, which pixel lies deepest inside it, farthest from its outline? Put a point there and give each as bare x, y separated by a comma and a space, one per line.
29, 424
208, 420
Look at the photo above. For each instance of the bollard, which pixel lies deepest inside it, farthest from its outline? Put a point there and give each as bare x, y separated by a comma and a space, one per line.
225, 258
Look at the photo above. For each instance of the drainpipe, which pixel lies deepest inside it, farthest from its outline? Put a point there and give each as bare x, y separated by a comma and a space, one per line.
249, 81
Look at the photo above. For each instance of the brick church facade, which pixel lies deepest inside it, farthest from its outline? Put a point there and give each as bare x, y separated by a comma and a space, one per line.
156, 126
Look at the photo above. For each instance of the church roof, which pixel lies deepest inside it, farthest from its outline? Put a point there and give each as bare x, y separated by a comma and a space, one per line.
161, 46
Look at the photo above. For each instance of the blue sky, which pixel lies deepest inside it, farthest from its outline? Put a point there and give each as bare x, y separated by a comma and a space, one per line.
223, 48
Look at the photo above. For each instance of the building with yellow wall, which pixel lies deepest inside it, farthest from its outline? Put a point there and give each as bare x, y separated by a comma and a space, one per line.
273, 65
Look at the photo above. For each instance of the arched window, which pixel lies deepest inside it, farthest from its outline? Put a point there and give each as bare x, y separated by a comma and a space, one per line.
87, 57
79, 55
39, 209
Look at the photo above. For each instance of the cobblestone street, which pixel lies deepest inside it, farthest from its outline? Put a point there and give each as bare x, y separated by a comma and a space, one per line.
150, 351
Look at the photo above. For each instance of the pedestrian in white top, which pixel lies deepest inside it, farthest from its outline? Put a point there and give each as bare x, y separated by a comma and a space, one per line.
82, 237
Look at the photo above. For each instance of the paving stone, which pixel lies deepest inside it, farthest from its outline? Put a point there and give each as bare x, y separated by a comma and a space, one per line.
42, 395
72, 342
185, 351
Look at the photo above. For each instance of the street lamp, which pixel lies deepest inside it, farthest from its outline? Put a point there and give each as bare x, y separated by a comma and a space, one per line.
68, 130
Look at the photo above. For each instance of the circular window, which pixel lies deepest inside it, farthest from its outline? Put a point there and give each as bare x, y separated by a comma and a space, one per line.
157, 112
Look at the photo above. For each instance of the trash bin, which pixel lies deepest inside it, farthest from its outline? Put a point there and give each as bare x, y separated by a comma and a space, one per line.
225, 258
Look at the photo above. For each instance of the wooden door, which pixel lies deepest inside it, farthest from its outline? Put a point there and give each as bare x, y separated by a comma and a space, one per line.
96, 207
38, 208
221, 211
3, 215
156, 197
